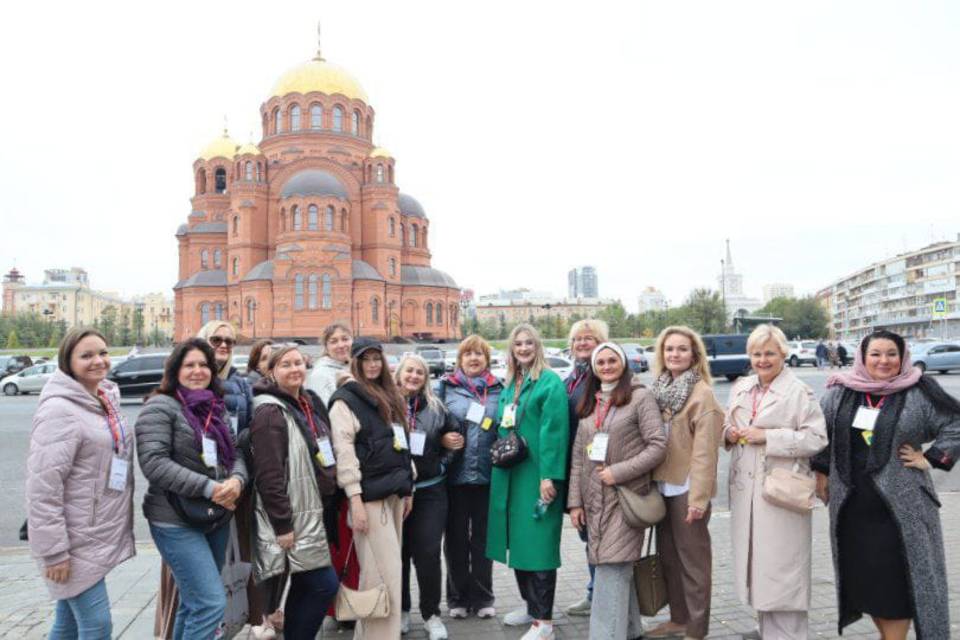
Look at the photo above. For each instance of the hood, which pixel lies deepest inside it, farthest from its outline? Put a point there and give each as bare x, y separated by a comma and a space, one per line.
61, 386
326, 362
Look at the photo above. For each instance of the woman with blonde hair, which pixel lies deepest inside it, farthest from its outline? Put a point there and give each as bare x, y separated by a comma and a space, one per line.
423, 529
773, 421
525, 516
584, 337
687, 478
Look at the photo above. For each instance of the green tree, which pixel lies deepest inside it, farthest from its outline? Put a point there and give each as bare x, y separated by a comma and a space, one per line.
138, 324
704, 311
108, 323
616, 318
13, 342
802, 317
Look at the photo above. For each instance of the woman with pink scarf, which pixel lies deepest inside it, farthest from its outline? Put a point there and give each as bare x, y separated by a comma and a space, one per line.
875, 476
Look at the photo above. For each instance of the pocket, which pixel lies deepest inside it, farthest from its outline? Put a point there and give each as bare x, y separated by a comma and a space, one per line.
930, 493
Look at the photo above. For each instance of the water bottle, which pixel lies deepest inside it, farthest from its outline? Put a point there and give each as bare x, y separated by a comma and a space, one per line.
540, 508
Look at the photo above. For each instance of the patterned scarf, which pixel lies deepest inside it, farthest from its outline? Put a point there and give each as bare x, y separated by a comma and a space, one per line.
672, 394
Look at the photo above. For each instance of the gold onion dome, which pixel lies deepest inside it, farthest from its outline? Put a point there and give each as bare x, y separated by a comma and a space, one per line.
224, 146
250, 148
319, 75
380, 152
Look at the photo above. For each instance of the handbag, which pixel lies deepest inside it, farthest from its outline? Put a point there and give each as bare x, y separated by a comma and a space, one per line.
199, 513
235, 575
648, 579
353, 604
789, 489
509, 452
641, 510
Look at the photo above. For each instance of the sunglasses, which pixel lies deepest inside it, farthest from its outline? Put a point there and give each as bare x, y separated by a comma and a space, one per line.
216, 341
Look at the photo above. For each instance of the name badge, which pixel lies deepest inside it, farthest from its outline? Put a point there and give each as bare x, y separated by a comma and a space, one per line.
325, 454
475, 413
118, 474
209, 452
598, 448
486, 424
399, 438
418, 440
866, 418
509, 419
234, 424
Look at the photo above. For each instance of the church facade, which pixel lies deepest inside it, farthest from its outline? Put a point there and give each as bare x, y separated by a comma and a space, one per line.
308, 227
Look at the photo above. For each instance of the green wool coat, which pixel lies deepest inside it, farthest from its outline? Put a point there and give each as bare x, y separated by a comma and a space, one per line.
513, 536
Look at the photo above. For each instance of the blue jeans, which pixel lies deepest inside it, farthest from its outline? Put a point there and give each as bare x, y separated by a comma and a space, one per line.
592, 568
195, 560
83, 617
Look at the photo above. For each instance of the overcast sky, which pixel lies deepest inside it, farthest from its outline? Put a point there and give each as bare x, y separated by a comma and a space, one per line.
633, 136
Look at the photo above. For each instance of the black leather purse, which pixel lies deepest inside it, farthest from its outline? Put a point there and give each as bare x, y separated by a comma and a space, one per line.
200, 513
509, 452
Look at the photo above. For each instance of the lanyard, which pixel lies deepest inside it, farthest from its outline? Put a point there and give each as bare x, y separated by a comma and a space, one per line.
875, 406
309, 413
473, 390
412, 413
114, 422
575, 382
600, 411
757, 402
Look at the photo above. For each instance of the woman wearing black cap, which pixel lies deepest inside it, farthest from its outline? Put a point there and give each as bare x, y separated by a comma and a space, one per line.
374, 468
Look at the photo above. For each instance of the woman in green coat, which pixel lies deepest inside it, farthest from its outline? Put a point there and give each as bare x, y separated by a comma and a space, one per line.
525, 518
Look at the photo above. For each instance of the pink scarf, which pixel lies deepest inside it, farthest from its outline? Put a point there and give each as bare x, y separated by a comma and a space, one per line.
859, 380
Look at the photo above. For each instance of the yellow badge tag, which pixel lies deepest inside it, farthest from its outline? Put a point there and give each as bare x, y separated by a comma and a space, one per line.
486, 424
319, 457
867, 437
742, 441
589, 449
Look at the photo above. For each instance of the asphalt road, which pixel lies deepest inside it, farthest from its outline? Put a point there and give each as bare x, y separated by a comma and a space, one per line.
16, 414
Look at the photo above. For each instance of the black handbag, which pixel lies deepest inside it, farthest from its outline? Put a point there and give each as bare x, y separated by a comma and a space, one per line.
200, 513
509, 452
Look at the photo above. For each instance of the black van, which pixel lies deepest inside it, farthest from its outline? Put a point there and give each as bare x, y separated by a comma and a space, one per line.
727, 354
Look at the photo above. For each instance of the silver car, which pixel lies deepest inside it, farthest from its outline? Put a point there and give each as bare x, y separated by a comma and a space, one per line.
936, 356
30, 380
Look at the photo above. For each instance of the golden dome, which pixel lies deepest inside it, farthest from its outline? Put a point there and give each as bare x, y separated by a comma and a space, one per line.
380, 152
224, 146
319, 75
250, 148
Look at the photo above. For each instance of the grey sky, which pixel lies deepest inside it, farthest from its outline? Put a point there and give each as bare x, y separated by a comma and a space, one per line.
817, 136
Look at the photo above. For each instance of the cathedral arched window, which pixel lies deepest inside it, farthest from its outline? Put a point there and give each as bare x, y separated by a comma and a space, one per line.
251, 307
204, 313
379, 173
343, 220
220, 180
236, 266
355, 123
312, 217
312, 290
439, 313
392, 262
277, 121
218, 311
297, 221
375, 310
337, 119
295, 118
327, 285
328, 218
392, 227
204, 258
429, 313
414, 232
236, 225
316, 116
201, 181
298, 292
217, 256
248, 171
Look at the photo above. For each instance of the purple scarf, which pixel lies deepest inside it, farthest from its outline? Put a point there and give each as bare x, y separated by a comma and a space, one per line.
197, 406
860, 380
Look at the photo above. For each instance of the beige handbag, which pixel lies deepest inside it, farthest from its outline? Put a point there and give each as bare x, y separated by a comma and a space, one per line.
352, 604
641, 510
790, 489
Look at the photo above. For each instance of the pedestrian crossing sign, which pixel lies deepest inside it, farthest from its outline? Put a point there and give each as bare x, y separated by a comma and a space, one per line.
939, 307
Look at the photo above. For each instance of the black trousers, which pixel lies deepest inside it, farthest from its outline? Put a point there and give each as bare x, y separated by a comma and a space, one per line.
537, 589
469, 571
422, 536
311, 594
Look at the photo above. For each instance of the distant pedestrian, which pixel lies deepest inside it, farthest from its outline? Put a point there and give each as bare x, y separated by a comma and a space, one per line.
841, 354
773, 421
823, 355
884, 512
80, 486
833, 355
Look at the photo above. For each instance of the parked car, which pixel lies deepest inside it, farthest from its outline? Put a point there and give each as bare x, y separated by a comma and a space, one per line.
802, 352
637, 357
936, 356
14, 364
240, 362
560, 365
30, 380
139, 375
435, 360
393, 362
727, 354
450, 360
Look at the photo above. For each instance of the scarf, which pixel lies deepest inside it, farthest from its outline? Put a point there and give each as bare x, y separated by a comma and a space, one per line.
577, 376
859, 380
197, 406
672, 394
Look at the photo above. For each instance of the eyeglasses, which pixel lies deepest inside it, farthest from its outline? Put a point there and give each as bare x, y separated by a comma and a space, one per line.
216, 341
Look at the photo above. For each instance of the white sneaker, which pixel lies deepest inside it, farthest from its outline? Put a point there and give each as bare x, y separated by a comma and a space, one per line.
404, 622
486, 612
435, 628
539, 631
458, 613
518, 618
581, 608
263, 632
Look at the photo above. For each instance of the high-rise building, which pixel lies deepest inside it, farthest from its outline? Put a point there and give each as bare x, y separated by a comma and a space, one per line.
652, 299
776, 290
582, 283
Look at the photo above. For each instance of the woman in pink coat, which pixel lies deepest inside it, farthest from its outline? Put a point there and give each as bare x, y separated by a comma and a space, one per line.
80, 486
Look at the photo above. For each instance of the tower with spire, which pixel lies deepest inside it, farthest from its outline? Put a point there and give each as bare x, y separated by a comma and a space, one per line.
731, 283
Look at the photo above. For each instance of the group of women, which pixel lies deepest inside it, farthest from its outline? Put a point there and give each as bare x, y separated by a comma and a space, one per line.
344, 473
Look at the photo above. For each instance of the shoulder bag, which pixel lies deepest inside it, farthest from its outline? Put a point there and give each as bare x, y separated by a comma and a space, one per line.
200, 513
353, 604
511, 450
789, 489
648, 579
641, 510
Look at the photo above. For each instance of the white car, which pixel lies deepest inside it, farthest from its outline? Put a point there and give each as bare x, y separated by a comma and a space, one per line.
802, 352
240, 363
560, 365
30, 380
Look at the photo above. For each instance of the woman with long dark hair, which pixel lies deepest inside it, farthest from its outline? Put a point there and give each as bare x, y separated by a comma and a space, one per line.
187, 452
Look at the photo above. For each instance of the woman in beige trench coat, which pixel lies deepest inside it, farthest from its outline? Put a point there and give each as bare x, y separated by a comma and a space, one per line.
773, 421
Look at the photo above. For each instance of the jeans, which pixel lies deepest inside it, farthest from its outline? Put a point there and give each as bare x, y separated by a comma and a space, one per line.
195, 559
469, 571
311, 593
83, 617
585, 536
422, 533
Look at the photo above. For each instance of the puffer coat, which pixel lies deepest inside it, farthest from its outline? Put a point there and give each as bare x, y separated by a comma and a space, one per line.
472, 464
238, 397
71, 513
637, 444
